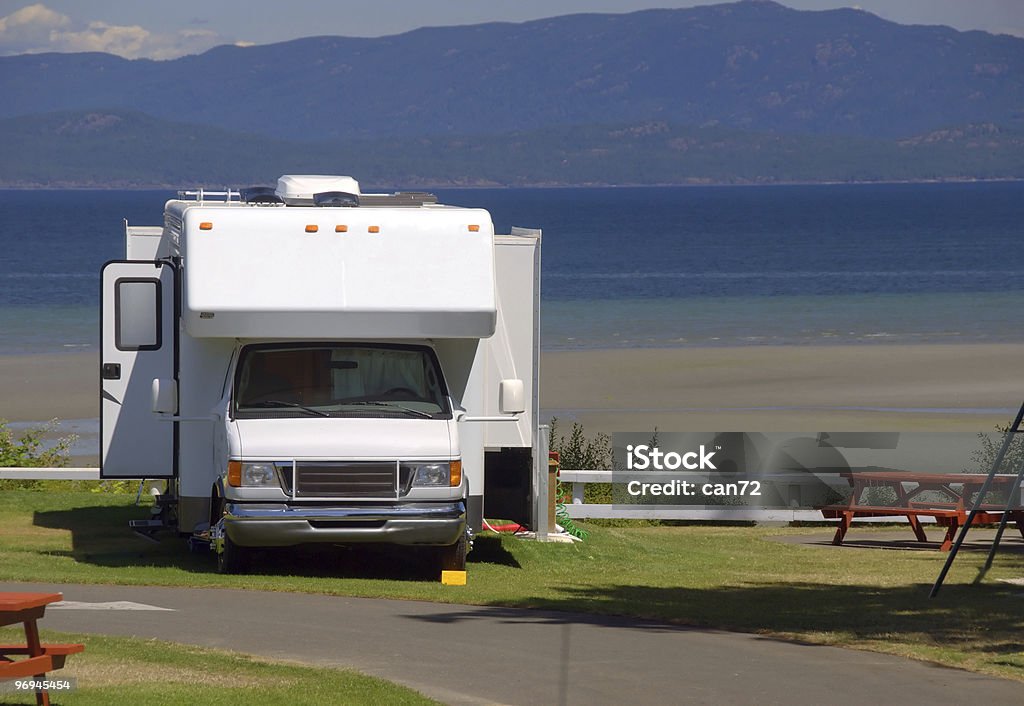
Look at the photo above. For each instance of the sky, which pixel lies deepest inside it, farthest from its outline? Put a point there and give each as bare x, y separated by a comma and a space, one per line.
166, 30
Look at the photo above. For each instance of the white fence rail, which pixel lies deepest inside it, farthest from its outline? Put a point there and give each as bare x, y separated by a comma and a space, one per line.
579, 509
49, 474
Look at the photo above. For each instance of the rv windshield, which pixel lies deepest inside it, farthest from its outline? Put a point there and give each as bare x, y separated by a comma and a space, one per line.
339, 380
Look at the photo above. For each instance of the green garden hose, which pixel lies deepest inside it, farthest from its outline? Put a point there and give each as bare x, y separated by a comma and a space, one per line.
562, 514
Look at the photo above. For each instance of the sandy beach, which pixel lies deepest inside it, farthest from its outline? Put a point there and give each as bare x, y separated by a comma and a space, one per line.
793, 388
753, 388
42, 387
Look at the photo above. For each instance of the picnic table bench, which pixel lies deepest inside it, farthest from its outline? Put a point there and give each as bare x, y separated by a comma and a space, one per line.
951, 513
37, 658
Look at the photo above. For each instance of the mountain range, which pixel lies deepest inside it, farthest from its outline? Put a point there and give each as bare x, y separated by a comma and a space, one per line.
744, 92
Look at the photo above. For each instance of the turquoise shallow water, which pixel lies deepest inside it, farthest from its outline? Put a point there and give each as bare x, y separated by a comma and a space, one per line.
977, 317
55, 329
573, 324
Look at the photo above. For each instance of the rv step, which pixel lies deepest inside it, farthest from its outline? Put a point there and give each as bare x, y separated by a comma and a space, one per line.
147, 528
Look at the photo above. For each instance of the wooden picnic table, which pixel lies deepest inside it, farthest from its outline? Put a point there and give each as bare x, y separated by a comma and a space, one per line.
958, 490
37, 658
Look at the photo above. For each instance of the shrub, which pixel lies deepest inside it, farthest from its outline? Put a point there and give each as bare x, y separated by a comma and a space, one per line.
29, 451
580, 453
985, 457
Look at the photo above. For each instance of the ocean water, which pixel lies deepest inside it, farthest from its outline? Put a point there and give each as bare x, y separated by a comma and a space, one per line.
686, 266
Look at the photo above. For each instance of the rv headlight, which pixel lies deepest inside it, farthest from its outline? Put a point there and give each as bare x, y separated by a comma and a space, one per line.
258, 475
431, 475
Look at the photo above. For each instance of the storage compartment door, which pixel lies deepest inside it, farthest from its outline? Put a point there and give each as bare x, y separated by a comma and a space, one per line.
137, 344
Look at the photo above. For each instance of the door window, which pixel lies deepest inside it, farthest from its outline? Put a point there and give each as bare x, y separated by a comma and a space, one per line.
137, 310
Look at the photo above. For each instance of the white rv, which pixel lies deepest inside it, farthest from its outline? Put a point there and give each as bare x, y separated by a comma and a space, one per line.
311, 364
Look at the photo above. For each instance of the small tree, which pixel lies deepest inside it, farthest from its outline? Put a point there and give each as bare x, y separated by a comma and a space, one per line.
579, 452
985, 457
28, 451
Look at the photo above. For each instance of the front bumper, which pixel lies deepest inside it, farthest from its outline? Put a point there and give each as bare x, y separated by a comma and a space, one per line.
280, 525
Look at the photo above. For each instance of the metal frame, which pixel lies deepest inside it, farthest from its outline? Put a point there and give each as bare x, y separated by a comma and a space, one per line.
1014, 493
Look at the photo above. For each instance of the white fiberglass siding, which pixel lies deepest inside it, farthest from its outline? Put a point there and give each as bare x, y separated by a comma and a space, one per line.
258, 272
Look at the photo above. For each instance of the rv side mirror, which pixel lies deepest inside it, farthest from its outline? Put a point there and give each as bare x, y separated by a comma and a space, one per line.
165, 396
512, 397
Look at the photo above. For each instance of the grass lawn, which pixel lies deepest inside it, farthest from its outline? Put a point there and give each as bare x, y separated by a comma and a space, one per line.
155, 673
735, 578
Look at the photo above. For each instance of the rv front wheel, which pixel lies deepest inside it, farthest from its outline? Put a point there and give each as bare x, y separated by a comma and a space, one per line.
453, 558
233, 559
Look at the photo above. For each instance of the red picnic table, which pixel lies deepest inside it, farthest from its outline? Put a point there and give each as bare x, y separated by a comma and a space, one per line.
37, 658
958, 490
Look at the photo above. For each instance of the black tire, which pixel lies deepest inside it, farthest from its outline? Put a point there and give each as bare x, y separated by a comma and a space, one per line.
453, 557
233, 559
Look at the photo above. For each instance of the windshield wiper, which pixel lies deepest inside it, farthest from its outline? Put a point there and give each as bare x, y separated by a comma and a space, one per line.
282, 403
392, 405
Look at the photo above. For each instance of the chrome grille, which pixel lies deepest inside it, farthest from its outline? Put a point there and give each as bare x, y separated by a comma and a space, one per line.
325, 479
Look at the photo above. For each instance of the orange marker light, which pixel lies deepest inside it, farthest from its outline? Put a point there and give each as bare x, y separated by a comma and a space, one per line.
373, 229
341, 229
205, 225
474, 229
312, 228
235, 474
455, 474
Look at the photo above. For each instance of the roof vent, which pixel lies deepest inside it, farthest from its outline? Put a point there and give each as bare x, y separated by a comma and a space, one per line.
260, 195
299, 190
335, 199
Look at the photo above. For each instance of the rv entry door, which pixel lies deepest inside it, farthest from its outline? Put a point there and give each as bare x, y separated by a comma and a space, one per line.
137, 344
